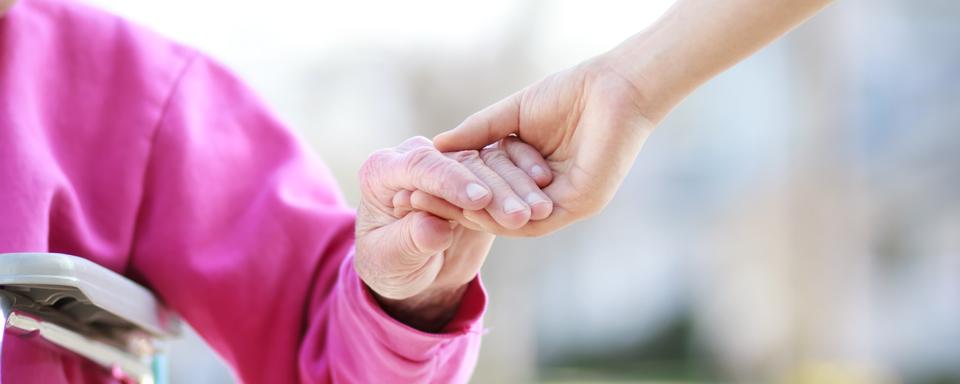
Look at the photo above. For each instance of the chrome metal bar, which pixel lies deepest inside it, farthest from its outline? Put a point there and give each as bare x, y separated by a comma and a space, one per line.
6, 309
121, 363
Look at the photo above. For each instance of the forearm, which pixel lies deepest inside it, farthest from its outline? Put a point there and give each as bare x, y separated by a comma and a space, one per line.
697, 39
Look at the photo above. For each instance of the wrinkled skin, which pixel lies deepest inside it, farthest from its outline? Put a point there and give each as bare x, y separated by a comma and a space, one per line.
415, 249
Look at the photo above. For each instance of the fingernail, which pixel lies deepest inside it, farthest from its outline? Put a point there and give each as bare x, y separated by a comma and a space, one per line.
476, 191
537, 171
511, 205
534, 198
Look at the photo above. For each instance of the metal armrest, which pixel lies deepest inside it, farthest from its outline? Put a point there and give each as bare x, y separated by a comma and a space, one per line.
74, 304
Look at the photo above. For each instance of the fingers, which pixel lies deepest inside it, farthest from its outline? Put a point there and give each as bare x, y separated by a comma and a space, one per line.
506, 207
503, 164
407, 201
417, 165
528, 159
511, 170
402, 259
518, 180
422, 201
401, 203
482, 128
486, 223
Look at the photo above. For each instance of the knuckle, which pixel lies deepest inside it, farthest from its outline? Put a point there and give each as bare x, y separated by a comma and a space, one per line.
374, 161
466, 156
420, 158
371, 166
428, 166
419, 140
435, 172
416, 142
492, 154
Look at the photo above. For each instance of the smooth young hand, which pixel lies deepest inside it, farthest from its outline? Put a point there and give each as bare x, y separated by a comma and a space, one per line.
584, 121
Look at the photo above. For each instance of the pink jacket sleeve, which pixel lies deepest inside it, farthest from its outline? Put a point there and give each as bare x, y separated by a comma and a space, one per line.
242, 231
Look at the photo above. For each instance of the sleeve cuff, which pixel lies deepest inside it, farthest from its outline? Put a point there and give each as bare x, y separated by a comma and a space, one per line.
400, 337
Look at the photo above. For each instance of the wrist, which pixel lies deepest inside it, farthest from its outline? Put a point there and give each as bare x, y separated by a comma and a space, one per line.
428, 311
696, 40
642, 61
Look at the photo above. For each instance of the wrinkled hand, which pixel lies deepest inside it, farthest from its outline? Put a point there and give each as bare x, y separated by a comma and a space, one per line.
586, 121
415, 249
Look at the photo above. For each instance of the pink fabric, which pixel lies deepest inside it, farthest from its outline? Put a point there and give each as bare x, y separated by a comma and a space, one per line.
154, 161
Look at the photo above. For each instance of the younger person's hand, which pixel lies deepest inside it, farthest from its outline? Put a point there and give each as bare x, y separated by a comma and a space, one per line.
588, 123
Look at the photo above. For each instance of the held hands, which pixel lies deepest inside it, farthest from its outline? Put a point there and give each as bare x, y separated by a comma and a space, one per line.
589, 122
552, 154
416, 247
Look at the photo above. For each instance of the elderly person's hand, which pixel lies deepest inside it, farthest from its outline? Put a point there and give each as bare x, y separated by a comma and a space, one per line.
412, 250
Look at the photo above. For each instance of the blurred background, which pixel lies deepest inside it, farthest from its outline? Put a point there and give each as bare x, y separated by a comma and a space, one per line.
796, 220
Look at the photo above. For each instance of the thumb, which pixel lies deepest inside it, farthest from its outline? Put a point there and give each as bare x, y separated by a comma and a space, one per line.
401, 259
482, 128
